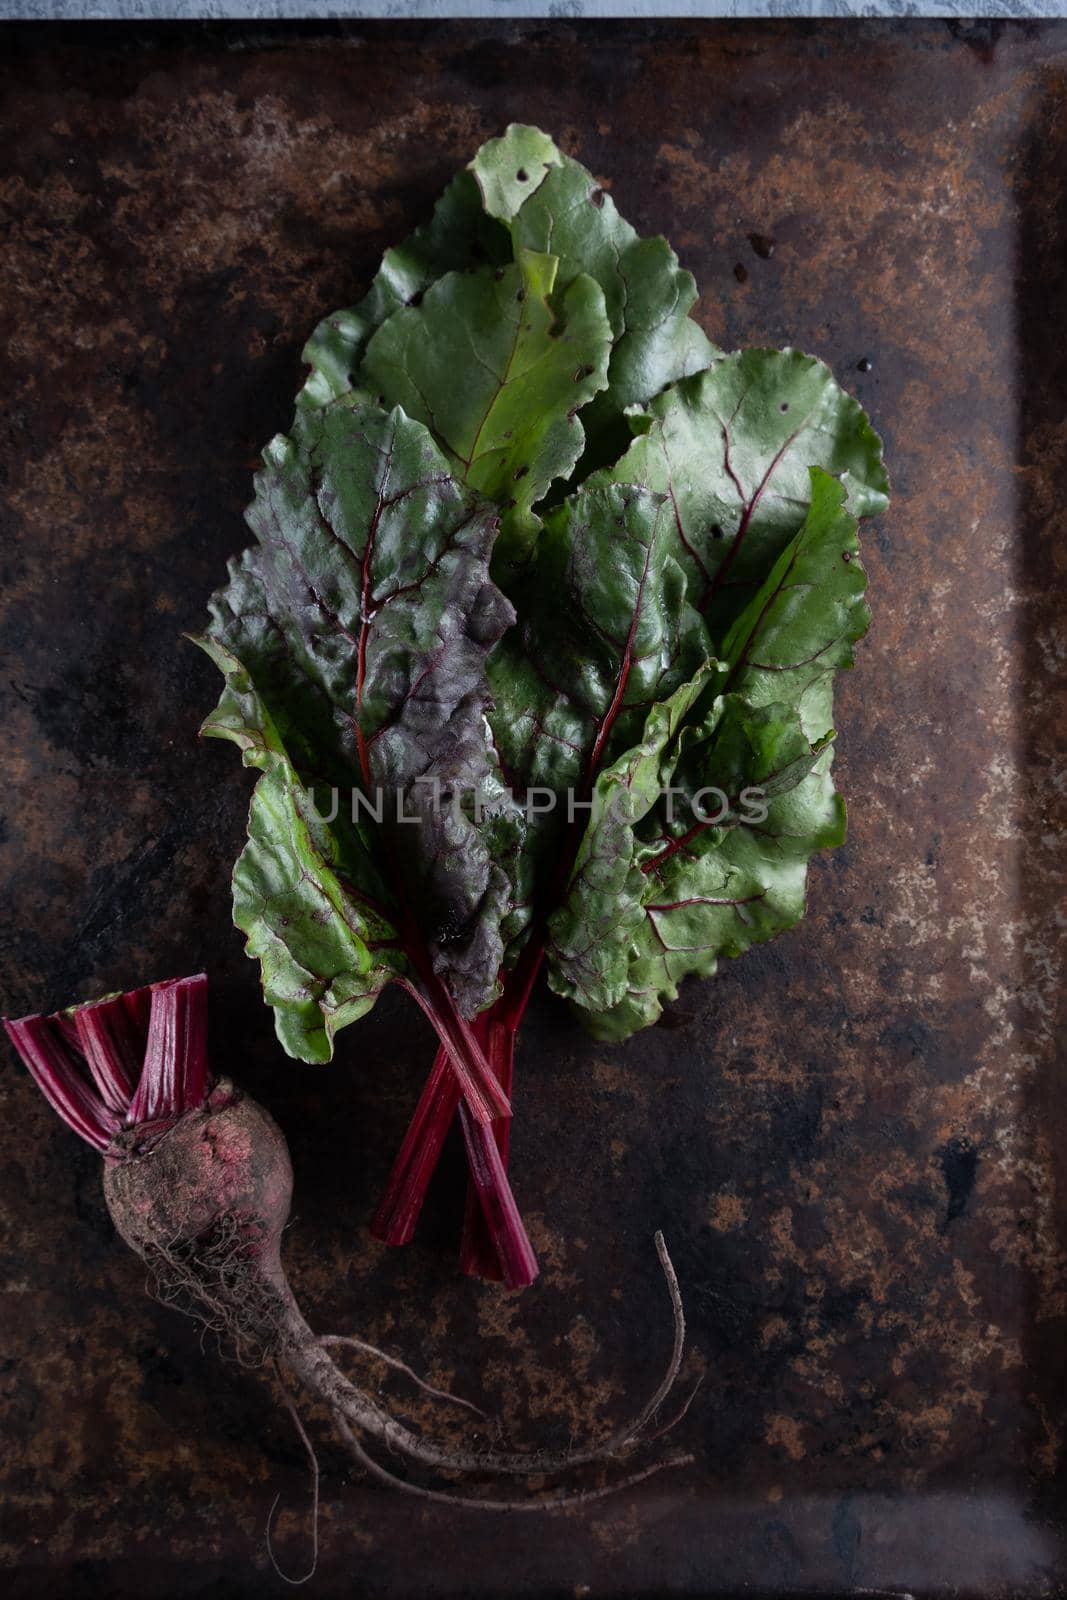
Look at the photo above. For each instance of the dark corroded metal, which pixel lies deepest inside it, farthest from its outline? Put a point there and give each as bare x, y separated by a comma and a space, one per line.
854, 1138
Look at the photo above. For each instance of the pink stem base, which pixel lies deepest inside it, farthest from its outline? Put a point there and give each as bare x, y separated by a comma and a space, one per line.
495, 1243
479, 1252
398, 1210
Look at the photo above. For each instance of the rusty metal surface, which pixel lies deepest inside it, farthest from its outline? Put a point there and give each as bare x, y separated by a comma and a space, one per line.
854, 1137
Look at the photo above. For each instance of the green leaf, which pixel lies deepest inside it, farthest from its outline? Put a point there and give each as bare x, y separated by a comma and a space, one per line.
460, 235
802, 622
732, 449
497, 371
325, 947
647, 295
522, 194
676, 873
588, 960
510, 169
604, 631
709, 891
680, 616
354, 638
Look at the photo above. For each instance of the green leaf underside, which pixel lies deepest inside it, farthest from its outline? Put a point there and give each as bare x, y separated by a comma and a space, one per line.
354, 637
522, 195
659, 894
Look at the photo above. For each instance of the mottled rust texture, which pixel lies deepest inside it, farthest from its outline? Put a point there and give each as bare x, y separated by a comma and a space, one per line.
855, 1137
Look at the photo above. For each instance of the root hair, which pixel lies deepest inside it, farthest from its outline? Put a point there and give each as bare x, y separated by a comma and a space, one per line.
216, 1281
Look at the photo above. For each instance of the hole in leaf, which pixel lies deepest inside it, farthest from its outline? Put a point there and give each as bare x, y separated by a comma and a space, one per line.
522, 175
784, 406
716, 532
520, 472
596, 197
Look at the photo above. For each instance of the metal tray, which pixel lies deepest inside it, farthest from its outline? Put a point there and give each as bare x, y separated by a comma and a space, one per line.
854, 1138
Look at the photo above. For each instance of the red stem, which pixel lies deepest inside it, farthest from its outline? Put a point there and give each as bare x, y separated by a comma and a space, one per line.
477, 1083
46, 1049
478, 1253
175, 1075
508, 1248
495, 1241
398, 1210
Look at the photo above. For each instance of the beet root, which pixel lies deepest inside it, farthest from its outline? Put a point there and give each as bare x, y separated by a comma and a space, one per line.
204, 1201
228, 1158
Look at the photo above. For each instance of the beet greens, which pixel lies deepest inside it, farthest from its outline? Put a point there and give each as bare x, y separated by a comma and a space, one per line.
538, 570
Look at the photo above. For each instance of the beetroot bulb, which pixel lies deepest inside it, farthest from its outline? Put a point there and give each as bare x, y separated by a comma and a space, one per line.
198, 1181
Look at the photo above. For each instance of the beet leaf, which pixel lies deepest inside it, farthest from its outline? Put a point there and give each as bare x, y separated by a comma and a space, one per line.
353, 638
